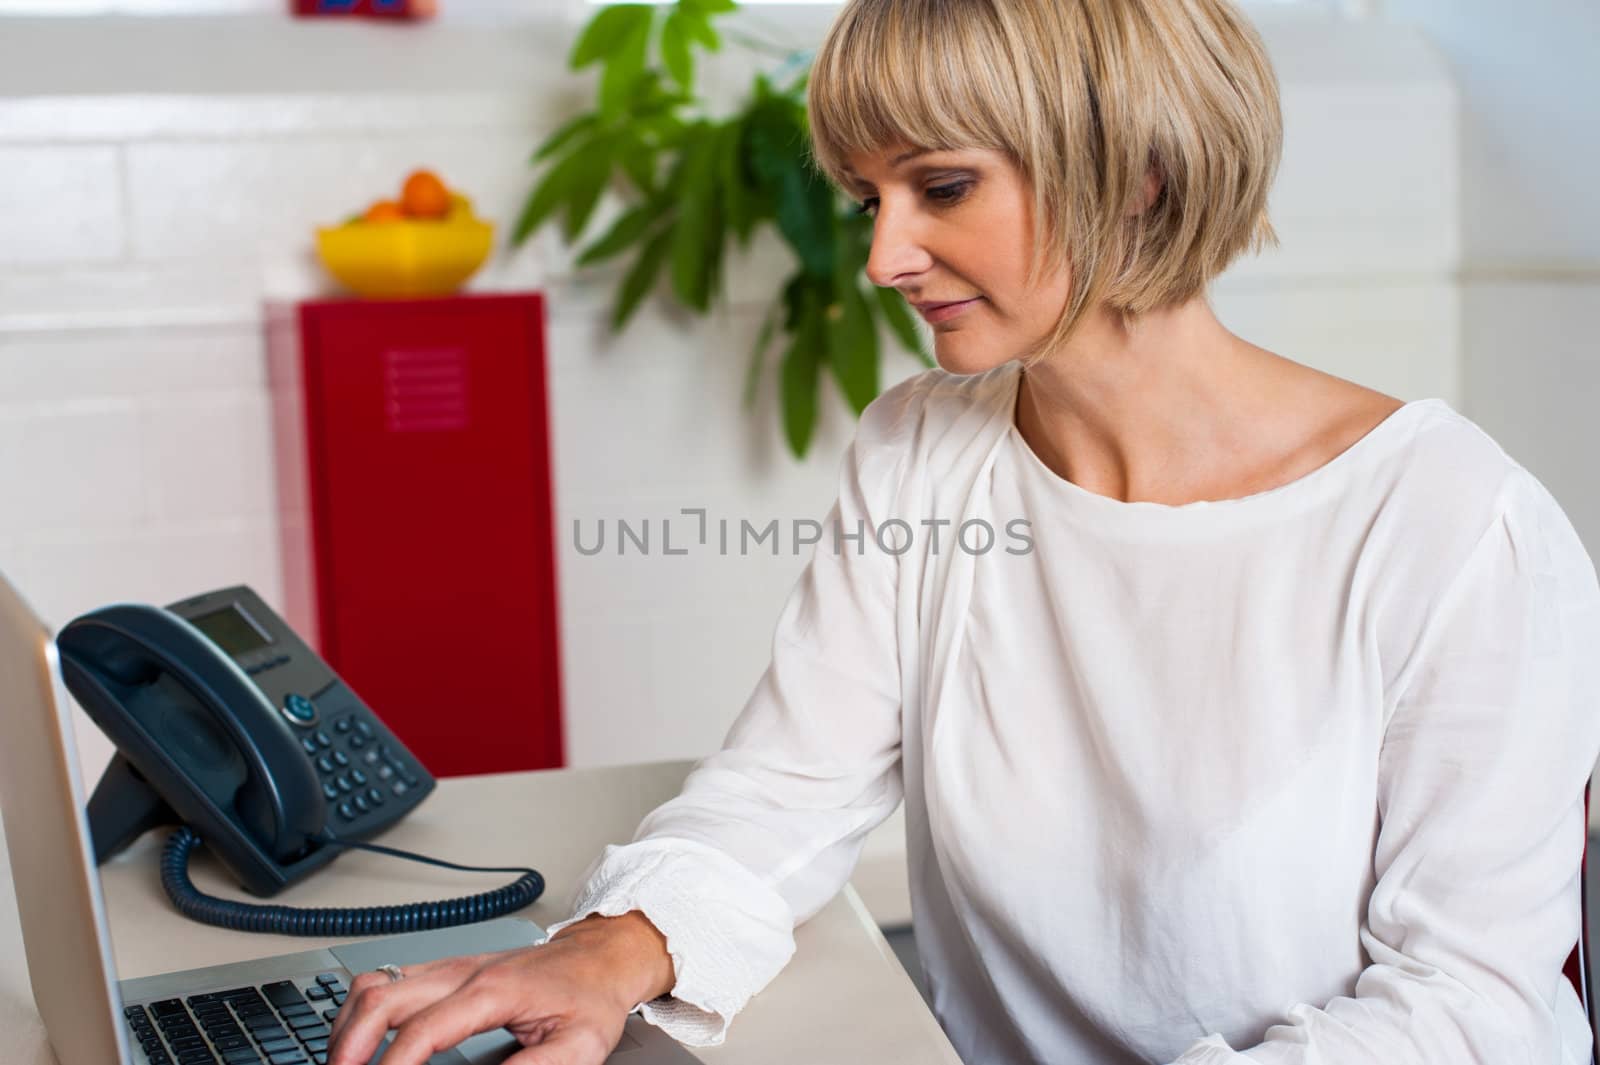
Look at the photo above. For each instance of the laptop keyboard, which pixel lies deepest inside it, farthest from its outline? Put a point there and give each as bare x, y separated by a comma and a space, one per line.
281, 1023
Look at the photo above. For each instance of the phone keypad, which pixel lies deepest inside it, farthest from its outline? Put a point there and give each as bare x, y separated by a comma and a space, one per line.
359, 771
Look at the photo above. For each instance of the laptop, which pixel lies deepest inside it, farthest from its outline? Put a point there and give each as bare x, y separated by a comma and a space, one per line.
272, 1010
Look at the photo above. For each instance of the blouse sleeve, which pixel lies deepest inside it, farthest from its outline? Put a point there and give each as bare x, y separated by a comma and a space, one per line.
1490, 742
769, 828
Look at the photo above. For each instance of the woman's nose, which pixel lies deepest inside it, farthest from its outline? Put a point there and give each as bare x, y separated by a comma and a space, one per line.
896, 248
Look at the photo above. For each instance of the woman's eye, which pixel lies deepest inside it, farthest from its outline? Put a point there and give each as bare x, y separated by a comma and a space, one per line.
943, 194
949, 193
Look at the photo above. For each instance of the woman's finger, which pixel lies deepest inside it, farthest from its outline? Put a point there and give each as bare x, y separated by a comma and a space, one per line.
462, 968
446, 1022
376, 1004
571, 1045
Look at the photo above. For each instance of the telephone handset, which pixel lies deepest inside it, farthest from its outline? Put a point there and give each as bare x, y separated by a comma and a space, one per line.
226, 721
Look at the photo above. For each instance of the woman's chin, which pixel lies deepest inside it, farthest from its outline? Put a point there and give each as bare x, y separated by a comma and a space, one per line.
966, 355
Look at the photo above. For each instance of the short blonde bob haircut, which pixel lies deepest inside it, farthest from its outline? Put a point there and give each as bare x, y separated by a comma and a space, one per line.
1084, 97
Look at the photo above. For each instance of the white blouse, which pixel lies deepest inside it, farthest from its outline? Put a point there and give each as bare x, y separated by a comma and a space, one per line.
1292, 778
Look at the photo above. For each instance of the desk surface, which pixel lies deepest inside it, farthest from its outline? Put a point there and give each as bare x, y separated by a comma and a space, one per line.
843, 973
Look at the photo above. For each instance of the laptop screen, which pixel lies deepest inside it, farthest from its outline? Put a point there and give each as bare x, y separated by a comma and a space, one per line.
43, 803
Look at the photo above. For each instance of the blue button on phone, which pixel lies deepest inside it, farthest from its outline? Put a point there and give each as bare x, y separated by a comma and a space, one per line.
299, 709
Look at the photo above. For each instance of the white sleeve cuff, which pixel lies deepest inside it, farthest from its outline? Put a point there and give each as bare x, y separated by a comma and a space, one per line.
728, 932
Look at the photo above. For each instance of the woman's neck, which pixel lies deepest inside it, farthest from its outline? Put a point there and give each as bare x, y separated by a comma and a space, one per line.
1175, 410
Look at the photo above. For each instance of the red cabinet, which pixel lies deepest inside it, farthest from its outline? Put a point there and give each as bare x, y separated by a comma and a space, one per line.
419, 554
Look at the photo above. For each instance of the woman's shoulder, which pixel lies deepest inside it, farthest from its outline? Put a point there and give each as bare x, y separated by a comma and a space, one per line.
1454, 491
1451, 464
939, 413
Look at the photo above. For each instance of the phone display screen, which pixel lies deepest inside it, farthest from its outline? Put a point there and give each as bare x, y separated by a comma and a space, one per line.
231, 629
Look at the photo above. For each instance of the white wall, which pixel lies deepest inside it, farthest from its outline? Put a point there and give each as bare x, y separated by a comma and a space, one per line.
171, 171
1529, 77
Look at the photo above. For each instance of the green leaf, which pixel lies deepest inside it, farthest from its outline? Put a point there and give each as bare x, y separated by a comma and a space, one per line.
591, 180
707, 7
752, 373
626, 230
607, 31
675, 50
737, 205
697, 27
794, 301
625, 67
802, 363
638, 161
641, 276
558, 140
898, 315
853, 346
552, 191
697, 236
805, 218
774, 143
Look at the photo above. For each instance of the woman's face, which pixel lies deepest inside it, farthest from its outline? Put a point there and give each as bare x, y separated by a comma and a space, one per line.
957, 226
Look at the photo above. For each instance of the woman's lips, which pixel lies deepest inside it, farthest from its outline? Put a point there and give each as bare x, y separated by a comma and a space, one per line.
947, 311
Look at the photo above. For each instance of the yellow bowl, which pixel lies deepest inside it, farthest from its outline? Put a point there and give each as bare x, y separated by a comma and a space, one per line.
405, 258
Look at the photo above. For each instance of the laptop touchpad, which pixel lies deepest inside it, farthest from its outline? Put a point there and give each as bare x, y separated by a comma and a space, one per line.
446, 1057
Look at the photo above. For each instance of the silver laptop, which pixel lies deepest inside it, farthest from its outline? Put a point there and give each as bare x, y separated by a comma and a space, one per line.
273, 1010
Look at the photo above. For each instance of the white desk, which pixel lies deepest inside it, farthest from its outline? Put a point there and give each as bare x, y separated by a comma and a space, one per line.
842, 999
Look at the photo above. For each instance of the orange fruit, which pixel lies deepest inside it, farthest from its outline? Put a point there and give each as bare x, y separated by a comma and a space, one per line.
425, 196
384, 211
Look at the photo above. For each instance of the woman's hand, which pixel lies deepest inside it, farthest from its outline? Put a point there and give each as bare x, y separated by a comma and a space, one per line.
565, 1000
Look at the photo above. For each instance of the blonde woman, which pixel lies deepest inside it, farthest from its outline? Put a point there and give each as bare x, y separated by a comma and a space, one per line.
1265, 741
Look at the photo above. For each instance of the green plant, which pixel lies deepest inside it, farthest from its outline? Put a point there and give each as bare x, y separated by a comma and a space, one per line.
698, 182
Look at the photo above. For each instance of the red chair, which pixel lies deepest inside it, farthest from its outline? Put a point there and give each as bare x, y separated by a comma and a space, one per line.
1577, 967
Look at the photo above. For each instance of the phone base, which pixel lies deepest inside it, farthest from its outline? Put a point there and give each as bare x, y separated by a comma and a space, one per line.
123, 808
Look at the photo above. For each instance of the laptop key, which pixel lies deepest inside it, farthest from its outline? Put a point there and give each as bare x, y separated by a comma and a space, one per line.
318, 1032
327, 978
329, 1015
266, 1035
299, 1009
261, 1020
296, 1058
310, 1020
197, 1057
279, 1046
283, 993
317, 1045
167, 1008
232, 1042
246, 1056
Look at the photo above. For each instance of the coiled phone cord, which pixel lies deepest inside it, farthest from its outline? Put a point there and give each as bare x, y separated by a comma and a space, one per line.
355, 921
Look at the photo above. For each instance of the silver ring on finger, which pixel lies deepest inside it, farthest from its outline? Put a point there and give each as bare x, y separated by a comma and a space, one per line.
392, 972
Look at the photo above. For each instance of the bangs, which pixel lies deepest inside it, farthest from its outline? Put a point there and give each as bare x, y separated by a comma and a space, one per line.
909, 72
1090, 100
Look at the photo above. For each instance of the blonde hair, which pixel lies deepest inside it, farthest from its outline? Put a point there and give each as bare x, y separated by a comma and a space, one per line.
1084, 96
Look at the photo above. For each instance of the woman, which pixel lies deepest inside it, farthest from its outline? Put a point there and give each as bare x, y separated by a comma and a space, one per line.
1266, 742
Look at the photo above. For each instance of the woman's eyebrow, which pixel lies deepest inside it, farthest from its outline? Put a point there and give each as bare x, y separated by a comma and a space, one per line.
893, 164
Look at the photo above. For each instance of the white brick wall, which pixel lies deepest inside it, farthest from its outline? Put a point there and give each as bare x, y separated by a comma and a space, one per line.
134, 422
62, 205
